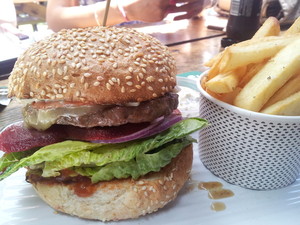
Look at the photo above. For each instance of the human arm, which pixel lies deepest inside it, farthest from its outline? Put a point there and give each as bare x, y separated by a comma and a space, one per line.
69, 14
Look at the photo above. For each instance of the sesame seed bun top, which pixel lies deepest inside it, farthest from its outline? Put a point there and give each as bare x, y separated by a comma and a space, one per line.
102, 65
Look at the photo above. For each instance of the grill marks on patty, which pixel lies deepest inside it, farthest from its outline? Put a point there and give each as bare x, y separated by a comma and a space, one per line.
98, 115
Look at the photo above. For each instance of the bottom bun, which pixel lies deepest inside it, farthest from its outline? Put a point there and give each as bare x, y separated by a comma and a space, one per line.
123, 198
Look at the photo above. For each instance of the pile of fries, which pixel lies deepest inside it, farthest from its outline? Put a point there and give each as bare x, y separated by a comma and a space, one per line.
261, 74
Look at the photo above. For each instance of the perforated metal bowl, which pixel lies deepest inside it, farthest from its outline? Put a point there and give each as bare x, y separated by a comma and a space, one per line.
249, 149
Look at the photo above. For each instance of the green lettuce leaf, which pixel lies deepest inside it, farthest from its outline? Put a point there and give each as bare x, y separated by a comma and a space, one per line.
9, 160
70, 154
50, 152
139, 166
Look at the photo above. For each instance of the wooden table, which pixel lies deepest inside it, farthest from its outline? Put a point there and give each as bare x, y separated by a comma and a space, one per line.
189, 57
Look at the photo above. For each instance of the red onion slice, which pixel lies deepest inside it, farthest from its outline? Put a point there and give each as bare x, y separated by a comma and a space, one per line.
157, 126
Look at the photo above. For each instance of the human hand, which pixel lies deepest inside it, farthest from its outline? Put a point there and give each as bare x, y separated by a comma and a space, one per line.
145, 10
189, 8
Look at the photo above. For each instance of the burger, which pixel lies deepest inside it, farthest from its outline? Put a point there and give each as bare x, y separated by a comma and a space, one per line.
102, 137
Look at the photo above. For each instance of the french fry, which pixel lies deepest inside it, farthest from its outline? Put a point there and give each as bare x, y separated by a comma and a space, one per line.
270, 27
227, 82
294, 29
252, 69
291, 87
287, 107
270, 78
229, 97
203, 85
263, 48
214, 70
213, 60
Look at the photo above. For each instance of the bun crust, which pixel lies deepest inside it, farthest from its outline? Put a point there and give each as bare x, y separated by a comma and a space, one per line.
124, 198
101, 65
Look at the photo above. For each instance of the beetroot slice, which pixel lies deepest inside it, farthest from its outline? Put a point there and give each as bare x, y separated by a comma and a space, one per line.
16, 137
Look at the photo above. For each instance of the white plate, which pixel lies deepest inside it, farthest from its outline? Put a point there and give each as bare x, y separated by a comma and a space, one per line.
20, 205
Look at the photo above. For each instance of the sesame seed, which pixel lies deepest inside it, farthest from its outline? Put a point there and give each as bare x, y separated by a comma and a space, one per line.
111, 82
53, 63
141, 75
81, 80
100, 78
62, 61
59, 96
78, 65
87, 74
108, 86
150, 79
129, 83
59, 71
150, 88
97, 83
25, 71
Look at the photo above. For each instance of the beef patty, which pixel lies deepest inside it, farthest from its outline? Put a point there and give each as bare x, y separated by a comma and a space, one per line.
99, 115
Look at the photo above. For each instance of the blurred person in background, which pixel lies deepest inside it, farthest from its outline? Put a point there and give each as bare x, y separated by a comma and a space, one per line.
286, 11
83, 13
9, 33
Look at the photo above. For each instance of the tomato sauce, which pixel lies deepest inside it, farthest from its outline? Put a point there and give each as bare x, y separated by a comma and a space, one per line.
82, 186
